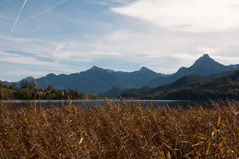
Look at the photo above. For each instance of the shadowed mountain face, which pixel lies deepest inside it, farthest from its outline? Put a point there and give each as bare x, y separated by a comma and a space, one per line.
192, 87
98, 80
205, 65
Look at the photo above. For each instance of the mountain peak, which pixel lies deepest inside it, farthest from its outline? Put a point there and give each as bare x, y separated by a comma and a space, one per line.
28, 79
205, 60
98, 69
144, 69
204, 65
95, 68
51, 75
205, 56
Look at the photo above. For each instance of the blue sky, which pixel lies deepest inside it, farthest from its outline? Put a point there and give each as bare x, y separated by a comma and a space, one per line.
67, 36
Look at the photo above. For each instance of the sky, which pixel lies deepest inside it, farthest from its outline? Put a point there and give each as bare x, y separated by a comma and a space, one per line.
38, 37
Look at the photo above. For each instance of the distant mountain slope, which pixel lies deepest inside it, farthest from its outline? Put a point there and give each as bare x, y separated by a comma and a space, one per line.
97, 80
192, 87
138, 78
205, 65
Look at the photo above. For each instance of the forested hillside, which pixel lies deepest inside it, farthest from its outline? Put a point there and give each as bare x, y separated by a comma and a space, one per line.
193, 87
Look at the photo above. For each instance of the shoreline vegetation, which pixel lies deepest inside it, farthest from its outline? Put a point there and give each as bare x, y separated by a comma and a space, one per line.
30, 91
125, 131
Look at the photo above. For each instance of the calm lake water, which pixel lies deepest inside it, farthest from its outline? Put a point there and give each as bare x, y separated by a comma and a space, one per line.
100, 102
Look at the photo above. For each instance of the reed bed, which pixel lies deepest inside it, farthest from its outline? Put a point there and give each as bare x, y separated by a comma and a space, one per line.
125, 131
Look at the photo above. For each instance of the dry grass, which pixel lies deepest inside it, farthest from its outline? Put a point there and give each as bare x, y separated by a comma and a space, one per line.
119, 132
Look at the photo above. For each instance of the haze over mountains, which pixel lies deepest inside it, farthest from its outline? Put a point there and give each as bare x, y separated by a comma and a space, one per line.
98, 80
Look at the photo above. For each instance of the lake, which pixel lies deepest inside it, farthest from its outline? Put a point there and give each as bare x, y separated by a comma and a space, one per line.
100, 102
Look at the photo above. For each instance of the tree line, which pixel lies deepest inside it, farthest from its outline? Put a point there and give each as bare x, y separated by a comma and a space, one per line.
29, 91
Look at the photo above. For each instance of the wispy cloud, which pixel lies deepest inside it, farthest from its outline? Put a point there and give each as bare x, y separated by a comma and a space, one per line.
44, 11
185, 15
120, 34
32, 61
5, 17
124, 1
112, 2
18, 16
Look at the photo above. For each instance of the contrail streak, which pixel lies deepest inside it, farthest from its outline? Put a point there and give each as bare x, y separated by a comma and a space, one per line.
18, 16
44, 11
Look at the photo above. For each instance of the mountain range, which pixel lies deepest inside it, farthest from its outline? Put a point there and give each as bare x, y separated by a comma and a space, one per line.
104, 81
